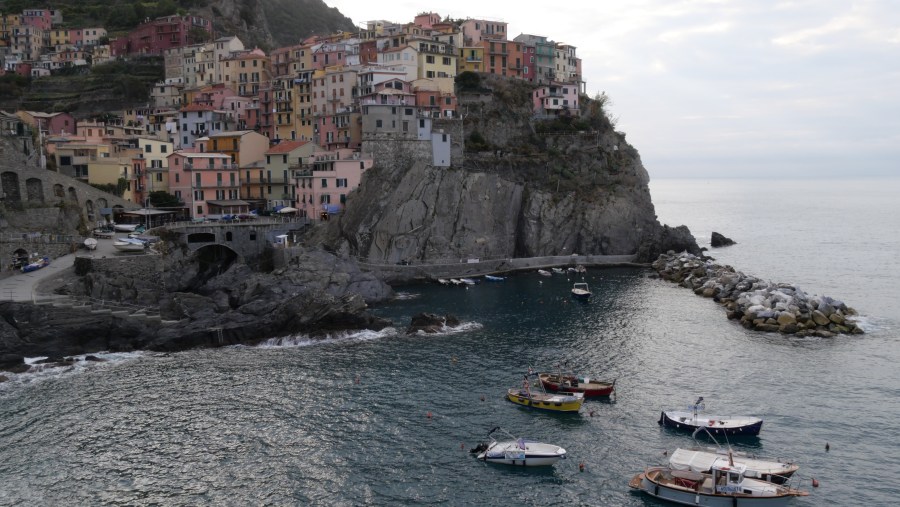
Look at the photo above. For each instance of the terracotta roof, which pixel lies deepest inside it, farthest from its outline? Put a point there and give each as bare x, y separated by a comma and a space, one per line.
285, 147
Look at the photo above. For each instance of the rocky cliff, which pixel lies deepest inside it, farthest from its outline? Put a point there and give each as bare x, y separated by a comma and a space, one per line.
525, 188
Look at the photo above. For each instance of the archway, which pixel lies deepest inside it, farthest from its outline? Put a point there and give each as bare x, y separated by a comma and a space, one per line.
10, 184
73, 196
34, 189
213, 260
59, 191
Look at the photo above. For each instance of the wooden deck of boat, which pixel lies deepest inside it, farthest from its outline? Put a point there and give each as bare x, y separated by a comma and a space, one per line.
635, 482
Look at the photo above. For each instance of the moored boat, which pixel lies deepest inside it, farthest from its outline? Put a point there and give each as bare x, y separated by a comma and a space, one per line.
544, 272
692, 419
581, 290
704, 459
518, 451
566, 383
126, 227
724, 486
443, 281
558, 271
467, 281
492, 278
558, 402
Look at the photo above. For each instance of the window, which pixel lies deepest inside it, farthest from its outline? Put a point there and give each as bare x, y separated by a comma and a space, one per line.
148, 149
199, 210
324, 183
325, 199
429, 59
446, 60
378, 124
341, 183
177, 178
163, 148
178, 194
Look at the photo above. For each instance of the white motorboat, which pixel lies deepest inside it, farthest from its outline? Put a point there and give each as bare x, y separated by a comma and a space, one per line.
492, 278
90, 243
544, 272
725, 486
467, 281
518, 451
559, 271
455, 281
581, 290
126, 227
129, 245
443, 281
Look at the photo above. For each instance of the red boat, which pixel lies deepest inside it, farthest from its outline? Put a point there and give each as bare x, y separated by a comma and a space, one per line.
574, 384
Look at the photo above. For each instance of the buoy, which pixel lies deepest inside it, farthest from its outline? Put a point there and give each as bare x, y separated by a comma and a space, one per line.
591, 413
357, 379
827, 447
815, 482
428, 415
462, 446
665, 453
581, 466
482, 397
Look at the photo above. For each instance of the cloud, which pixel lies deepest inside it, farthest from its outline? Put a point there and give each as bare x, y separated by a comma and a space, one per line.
674, 36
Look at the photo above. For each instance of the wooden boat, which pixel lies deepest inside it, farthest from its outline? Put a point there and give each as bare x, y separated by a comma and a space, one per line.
691, 420
518, 451
544, 272
581, 290
590, 387
36, 265
724, 486
704, 459
559, 402
90, 243
129, 245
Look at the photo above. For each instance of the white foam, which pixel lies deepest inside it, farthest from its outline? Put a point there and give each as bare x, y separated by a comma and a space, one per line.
343, 337
463, 327
39, 372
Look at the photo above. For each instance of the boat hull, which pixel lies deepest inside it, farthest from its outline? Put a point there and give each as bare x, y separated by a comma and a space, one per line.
686, 496
580, 294
129, 247
590, 389
550, 403
535, 454
716, 425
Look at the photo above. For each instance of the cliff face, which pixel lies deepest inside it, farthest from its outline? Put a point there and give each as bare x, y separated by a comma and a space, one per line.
577, 189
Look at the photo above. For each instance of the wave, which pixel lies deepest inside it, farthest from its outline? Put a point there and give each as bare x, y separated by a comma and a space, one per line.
78, 364
871, 324
342, 337
463, 327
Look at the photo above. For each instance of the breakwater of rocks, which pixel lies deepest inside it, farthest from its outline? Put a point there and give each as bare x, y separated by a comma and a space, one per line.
758, 304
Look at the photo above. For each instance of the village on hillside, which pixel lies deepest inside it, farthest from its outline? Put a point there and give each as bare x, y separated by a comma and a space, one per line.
232, 129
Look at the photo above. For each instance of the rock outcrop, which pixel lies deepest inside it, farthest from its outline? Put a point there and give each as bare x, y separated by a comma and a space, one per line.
759, 305
530, 195
718, 240
431, 323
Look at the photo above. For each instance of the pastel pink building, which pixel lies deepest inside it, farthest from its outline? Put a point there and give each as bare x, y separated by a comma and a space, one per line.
207, 183
326, 178
556, 99
38, 18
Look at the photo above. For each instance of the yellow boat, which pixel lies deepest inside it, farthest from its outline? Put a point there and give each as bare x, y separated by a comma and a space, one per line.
559, 402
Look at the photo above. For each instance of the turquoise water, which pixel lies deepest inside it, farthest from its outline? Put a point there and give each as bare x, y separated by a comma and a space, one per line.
345, 421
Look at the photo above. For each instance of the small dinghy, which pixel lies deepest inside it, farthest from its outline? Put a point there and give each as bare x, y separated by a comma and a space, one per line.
544, 272
581, 290
518, 451
551, 402
692, 419
571, 383
90, 243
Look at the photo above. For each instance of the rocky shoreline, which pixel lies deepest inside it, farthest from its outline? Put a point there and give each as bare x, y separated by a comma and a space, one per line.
758, 304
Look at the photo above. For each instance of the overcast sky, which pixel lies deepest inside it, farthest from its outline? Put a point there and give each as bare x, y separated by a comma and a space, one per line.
719, 88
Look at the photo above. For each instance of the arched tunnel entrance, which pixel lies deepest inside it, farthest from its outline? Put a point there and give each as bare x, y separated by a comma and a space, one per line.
213, 260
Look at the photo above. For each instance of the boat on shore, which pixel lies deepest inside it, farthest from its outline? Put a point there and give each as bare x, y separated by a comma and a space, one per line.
692, 420
557, 402
129, 245
569, 383
724, 486
90, 243
36, 265
580, 290
126, 227
518, 451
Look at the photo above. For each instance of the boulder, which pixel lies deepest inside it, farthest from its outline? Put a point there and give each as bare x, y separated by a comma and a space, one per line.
786, 318
820, 318
719, 240
431, 323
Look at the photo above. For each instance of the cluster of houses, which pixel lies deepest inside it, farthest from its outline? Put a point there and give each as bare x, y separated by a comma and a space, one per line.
232, 129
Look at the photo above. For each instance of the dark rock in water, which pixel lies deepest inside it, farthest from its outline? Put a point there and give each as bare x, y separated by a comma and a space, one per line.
94, 359
9, 361
430, 323
3, 378
719, 240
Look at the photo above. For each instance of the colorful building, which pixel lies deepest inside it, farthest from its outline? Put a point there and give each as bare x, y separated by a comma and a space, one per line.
208, 183
156, 36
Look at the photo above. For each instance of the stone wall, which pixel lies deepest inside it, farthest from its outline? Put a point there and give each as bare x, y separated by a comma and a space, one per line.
143, 267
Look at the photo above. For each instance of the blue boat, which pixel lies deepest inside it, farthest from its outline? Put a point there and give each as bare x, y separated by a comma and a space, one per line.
691, 420
36, 265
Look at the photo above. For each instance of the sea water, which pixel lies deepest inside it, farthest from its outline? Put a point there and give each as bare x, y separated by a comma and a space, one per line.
388, 418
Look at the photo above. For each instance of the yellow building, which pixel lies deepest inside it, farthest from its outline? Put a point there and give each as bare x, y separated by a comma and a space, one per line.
471, 59
434, 59
109, 171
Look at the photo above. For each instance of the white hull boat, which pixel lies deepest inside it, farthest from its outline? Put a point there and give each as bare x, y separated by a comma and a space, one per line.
467, 281
443, 281
519, 452
581, 290
126, 227
724, 487
703, 460
544, 272
90, 243
129, 245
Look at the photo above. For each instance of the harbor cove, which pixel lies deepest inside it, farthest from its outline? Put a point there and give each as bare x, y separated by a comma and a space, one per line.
256, 252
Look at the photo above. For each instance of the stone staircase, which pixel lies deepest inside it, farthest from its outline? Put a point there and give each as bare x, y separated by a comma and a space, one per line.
101, 307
